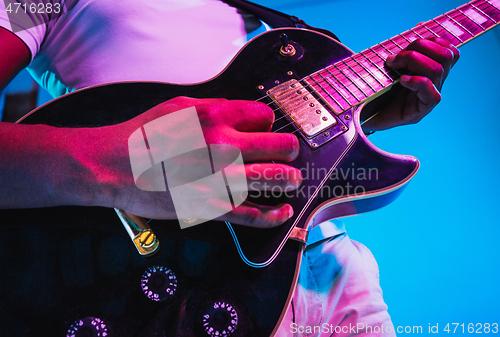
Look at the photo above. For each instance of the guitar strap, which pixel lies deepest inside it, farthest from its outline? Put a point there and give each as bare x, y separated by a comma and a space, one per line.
274, 18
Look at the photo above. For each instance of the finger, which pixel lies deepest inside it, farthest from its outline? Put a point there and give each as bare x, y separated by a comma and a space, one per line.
259, 216
438, 50
176, 104
182, 102
248, 116
418, 64
278, 178
272, 177
445, 43
267, 146
190, 101
426, 91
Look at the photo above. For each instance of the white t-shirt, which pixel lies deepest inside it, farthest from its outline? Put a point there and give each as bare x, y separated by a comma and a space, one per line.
102, 41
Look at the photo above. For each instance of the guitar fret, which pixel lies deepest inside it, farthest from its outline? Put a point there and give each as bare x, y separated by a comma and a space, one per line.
459, 24
474, 13
492, 10
442, 32
381, 70
393, 45
472, 19
405, 38
349, 80
378, 55
470, 25
347, 84
329, 98
397, 45
358, 80
344, 91
448, 30
369, 72
381, 56
425, 32
345, 94
358, 73
492, 4
478, 9
388, 51
416, 33
430, 30
410, 36
316, 88
354, 79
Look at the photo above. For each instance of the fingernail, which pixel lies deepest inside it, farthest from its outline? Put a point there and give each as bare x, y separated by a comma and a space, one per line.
290, 212
295, 147
390, 59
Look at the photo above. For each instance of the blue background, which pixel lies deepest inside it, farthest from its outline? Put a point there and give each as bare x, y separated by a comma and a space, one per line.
437, 245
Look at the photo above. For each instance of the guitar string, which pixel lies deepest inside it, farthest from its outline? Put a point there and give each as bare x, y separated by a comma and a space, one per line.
322, 83
298, 98
283, 107
369, 73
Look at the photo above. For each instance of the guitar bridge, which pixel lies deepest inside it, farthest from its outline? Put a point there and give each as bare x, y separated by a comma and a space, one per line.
303, 109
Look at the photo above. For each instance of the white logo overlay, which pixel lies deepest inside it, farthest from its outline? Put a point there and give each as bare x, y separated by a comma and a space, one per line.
204, 181
26, 14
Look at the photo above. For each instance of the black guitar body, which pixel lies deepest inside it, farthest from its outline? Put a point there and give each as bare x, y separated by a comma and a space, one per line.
77, 266
71, 263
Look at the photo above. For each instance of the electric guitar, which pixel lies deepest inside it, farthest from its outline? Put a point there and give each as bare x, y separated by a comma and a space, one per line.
73, 271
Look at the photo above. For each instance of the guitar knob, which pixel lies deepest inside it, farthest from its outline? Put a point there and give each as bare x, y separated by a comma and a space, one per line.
158, 283
89, 327
220, 319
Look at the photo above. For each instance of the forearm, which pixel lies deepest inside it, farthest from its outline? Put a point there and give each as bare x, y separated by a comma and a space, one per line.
43, 166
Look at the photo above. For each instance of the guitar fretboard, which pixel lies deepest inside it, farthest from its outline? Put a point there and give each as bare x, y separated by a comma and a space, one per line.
354, 79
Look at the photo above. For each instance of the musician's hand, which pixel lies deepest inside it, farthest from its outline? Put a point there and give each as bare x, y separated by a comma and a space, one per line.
243, 124
428, 62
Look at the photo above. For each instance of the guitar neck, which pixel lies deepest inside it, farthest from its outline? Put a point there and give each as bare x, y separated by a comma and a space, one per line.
364, 75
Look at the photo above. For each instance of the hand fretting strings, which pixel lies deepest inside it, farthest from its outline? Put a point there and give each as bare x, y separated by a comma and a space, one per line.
353, 80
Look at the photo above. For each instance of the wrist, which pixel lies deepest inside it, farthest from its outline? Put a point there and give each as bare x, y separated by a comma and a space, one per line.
97, 169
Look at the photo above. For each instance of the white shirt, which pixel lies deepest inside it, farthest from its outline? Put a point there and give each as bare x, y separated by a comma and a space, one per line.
101, 41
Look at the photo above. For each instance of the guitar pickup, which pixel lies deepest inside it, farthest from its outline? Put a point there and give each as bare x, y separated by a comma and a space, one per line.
303, 109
